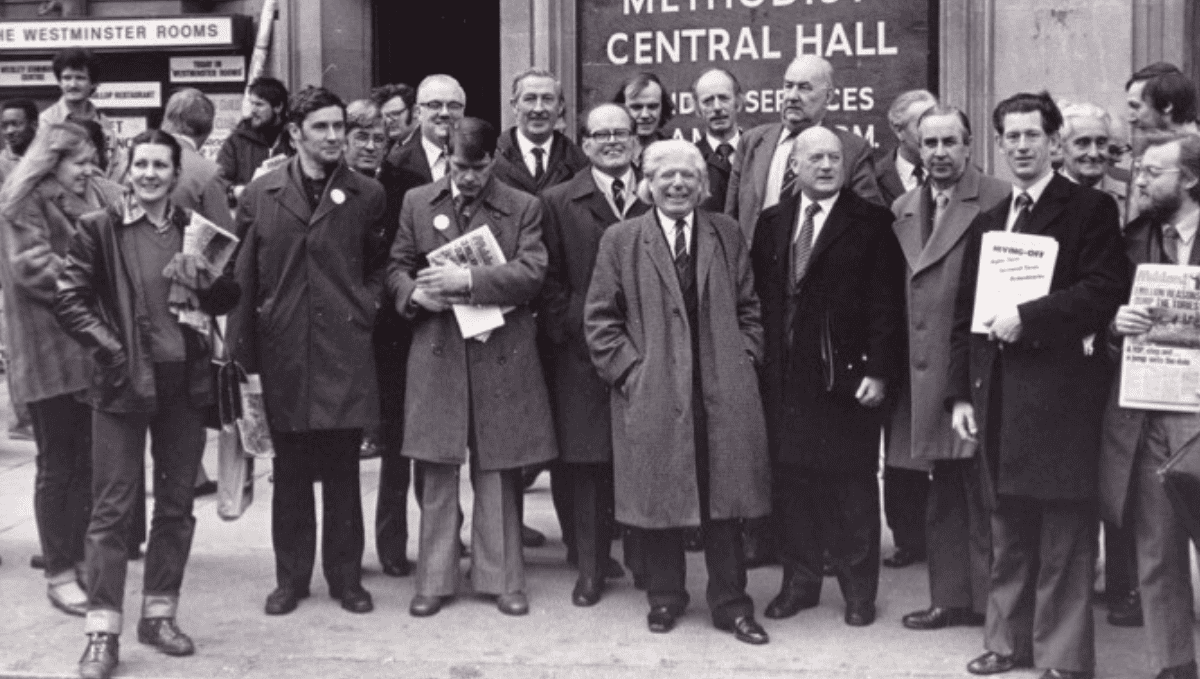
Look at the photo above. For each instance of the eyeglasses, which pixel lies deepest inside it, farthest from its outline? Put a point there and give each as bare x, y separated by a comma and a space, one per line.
611, 135
1153, 172
393, 115
452, 106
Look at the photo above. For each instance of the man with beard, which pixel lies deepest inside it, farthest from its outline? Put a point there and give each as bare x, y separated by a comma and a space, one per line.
256, 138
718, 102
310, 280
1137, 443
18, 125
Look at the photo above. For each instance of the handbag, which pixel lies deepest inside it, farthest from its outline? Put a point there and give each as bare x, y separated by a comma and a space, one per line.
235, 474
227, 376
1180, 477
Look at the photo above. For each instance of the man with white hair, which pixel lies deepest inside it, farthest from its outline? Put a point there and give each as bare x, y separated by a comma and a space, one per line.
1087, 138
899, 171
672, 325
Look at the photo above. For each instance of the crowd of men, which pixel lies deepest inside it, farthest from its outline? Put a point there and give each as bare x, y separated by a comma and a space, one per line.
705, 343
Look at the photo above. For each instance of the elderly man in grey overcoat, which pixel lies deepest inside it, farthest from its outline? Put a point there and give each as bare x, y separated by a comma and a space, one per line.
672, 323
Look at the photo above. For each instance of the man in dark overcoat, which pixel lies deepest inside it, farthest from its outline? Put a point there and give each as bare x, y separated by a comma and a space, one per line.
477, 399
576, 216
672, 325
1031, 393
718, 103
310, 296
830, 276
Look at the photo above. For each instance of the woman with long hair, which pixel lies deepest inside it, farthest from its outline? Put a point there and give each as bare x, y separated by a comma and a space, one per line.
120, 295
53, 185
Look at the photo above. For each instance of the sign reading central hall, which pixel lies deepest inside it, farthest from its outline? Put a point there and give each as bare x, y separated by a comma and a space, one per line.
878, 48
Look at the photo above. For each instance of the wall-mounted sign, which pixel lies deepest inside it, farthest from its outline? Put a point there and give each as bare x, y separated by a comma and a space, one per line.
190, 31
128, 95
227, 113
26, 74
208, 69
124, 129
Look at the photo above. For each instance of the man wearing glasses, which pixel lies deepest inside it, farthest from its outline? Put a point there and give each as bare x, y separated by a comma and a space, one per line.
440, 105
397, 104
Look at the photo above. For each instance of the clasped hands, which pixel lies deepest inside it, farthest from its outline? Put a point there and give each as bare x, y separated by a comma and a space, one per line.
438, 287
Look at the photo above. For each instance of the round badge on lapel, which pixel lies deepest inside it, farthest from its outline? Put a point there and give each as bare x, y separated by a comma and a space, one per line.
337, 196
441, 222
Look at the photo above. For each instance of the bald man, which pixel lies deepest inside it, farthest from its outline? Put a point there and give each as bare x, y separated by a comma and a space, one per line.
830, 276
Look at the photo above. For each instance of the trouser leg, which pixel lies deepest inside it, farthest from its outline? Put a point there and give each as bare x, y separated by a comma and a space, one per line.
564, 502
293, 510
391, 506
62, 428
336, 451
849, 515
802, 548
905, 495
666, 568
592, 541
1009, 626
949, 537
496, 562
724, 559
979, 524
437, 556
1063, 634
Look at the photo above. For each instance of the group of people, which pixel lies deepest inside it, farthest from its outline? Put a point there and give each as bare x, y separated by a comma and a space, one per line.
703, 342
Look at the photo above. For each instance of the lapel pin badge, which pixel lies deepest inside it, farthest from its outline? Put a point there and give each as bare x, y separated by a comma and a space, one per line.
441, 222
337, 196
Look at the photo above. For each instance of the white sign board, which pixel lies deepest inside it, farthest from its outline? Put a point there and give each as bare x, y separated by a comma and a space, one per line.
128, 95
227, 114
189, 31
208, 69
124, 129
26, 74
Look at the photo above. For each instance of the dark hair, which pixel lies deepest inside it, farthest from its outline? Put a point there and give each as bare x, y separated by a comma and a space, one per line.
311, 99
160, 138
1175, 90
1025, 102
737, 86
272, 91
75, 58
1152, 71
26, 105
945, 110
385, 93
473, 139
96, 135
635, 84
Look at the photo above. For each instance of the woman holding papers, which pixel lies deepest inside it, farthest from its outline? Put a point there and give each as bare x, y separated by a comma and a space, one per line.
117, 295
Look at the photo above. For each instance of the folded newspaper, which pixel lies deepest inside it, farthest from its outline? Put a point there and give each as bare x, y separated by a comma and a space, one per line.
1160, 369
216, 246
475, 248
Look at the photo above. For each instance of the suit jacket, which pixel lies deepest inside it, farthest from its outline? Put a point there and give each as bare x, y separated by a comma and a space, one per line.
718, 176
405, 168
748, 178
201, 188
566, 159
1045, 441
454, 384
311, 291
641, 344
920, 423
891, 186
850, 303
1123, 427
576, 214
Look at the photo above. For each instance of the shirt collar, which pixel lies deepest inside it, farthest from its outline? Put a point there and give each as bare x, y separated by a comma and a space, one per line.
713, 142
1035, 191
825, 203
604, 180
904, 168
526, 146
670, 221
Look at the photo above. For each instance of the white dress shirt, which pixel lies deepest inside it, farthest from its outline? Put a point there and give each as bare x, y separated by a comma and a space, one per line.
436, 157
605, 182
1035, 192
668, 227
818, 219
907, 172
526, 147
779, 163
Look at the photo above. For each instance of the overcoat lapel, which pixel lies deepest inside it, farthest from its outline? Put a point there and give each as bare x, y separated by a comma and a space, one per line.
655, 245
706, 247
762, 166
955, 222
907, 228
835, 225
338, 182
289, 193
1053, 201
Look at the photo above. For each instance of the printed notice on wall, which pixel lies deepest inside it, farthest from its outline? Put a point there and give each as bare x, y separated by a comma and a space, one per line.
208, 69
1014, 268
26, 74
128, 95
1160, 370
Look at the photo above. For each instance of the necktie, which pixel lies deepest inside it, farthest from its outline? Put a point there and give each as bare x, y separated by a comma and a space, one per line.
439, 167
539, 166
1171, 244
939, 210
1024, 203
618, 195
724, 152
464, 206
789, 175
919, 174
681, 251
802, 246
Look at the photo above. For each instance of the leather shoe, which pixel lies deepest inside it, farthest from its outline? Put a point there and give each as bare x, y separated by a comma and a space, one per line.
903, 557
995, 663
1127, 612
793, 597
746, 629
397, 569
1184, 671
513, 603
283, 600
100, 657
937, 618
531, 537
1066, 674
661, 619
68, 597
356, 600
423, 606
165, 635
587, 591
860, 615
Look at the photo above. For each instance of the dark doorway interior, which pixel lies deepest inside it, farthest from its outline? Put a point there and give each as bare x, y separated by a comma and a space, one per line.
457, 37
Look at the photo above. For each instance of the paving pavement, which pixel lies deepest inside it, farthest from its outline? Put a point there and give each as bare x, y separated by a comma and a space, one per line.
231, 572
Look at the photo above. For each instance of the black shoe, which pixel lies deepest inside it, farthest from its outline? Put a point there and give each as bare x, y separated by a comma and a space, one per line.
860, 615
1066, 674
207, 488
283, 600
424, 606
693, 539
165, 635
397, 569
100, 657
1184, 671
746, 630
937, 618
356, 600
903, 557
661, 619
587, 591
613, 570
37, 562
1127, 612
531, 537
513, 603
995, 663
793, 597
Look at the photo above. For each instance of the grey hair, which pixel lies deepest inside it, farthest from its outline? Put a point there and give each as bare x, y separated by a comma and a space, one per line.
898, 111
362, 113
1072, 111
656, 156
535, 72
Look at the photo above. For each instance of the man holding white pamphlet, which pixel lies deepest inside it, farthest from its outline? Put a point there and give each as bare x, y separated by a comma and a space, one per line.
1030, 390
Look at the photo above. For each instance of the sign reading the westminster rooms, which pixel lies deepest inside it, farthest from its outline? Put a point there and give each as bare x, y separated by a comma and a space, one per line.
190, 31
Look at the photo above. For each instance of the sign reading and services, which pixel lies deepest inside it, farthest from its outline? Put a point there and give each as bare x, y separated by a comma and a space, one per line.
128, 95
186, 31
878, 48
208, 69
26, 74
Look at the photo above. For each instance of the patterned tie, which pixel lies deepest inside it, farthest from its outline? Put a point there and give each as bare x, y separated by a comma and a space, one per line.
539, 166
681, 251
789, 175
1024, 203
618, 196
802, 246
1171, 243
940, 201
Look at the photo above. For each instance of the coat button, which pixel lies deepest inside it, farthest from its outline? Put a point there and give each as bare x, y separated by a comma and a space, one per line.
978, 383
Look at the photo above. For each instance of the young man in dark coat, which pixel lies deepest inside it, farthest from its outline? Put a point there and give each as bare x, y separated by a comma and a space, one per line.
257, 138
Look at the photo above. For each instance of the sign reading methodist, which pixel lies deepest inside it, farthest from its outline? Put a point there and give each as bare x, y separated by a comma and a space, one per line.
108, 33
878, 48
